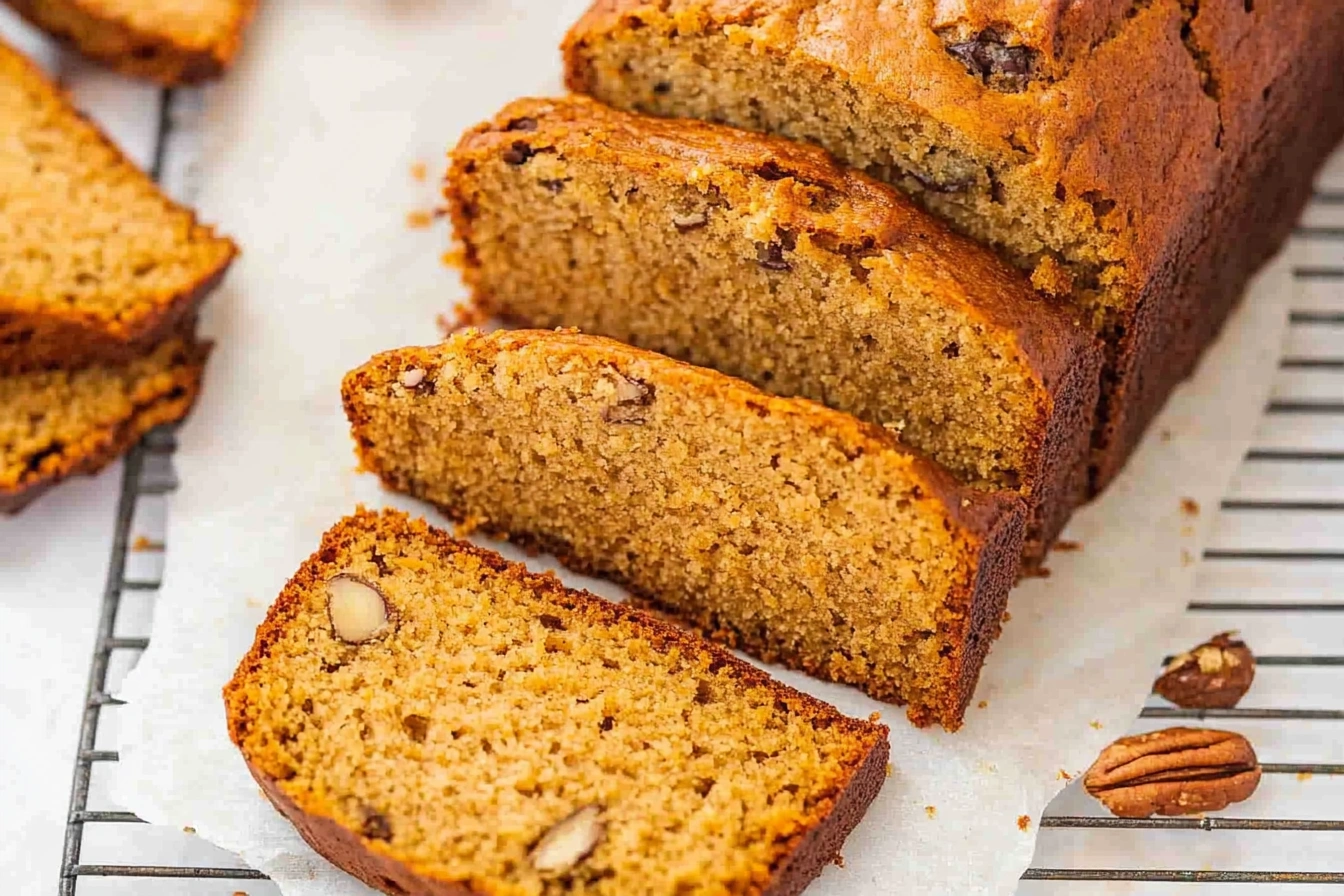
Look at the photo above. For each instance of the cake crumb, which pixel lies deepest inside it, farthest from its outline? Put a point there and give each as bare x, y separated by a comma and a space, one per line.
419, 219
1165, 435
1066, 546
454, 258
1024, 823
144, 543
931, 811
888, 769
1036, 572
983, 704
419, 170
1304, 776
1007, 617
468, 527
838, 861
1065, 776
875, 717
1097, 725
1189, 507
188, 829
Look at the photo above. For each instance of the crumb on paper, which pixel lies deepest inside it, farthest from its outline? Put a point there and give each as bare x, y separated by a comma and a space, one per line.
144, 543
454, 258
1096, 724
1189, 507
931, 811
253, 603
1007, 617
1067, 546
983, 704
838, 861
468, 526
1024, 823
1036, 572
1187, 558
875, 717
1304, 776
1165, 435
419, 170
989, 768
419, 219
1065, 776
188, 829
888, 769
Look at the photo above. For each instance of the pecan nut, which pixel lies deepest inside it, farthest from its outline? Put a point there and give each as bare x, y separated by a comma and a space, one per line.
1214, 675
1175, 771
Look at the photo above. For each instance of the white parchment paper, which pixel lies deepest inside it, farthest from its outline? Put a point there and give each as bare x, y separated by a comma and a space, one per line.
309, 152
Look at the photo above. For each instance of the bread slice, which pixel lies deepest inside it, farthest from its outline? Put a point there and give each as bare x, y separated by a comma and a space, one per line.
788, 529
766, 260
165, 40
1143, 157
434, 719
60, 423
99, 265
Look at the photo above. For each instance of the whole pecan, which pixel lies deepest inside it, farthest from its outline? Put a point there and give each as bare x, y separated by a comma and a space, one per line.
1176, 771
1214, 675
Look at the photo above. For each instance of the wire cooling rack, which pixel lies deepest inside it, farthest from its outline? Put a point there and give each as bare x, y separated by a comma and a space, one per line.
1275, 569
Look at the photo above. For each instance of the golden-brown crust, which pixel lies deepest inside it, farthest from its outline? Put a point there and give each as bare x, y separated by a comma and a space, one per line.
167, 405
34, 336
802, 857
110, 38
991, 524
1063, 359
1191, 129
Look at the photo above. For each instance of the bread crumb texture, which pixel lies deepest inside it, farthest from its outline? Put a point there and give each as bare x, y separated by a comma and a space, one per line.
792, 531
496, 704
170, 41
58, 423
96, 257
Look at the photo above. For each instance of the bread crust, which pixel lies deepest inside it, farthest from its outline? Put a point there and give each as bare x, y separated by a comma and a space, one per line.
109, 36
167, 406
1191, 129
1063, 360
35, 335
991, 524
374, 863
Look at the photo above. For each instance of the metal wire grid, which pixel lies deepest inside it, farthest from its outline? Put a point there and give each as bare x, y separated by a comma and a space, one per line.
138, 481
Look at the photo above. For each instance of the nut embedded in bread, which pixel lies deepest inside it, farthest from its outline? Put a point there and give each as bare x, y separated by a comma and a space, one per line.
165, 40
503, 734
99, 265
766, 260
60, 423
780, 526
1144, 158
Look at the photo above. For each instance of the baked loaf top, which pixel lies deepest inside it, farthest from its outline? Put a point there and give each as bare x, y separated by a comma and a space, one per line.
434, 719
97, 259
167, 40
1105, 120
781, 526
59, 423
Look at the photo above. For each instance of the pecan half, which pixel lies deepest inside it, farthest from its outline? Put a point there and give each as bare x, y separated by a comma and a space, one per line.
1175, 771
1214, 675
633, 397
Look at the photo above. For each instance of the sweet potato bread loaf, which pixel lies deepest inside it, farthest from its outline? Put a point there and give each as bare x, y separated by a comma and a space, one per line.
435, 720
60, 423
791, 530
1143, 157
764, 259
98, 265
169, 41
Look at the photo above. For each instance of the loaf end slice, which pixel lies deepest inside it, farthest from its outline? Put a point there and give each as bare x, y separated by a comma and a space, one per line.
58, 423
164, 40
100, 265
793, 531
767, 260
434, 719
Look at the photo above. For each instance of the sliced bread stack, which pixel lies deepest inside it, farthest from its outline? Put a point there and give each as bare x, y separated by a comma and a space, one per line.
101, 276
